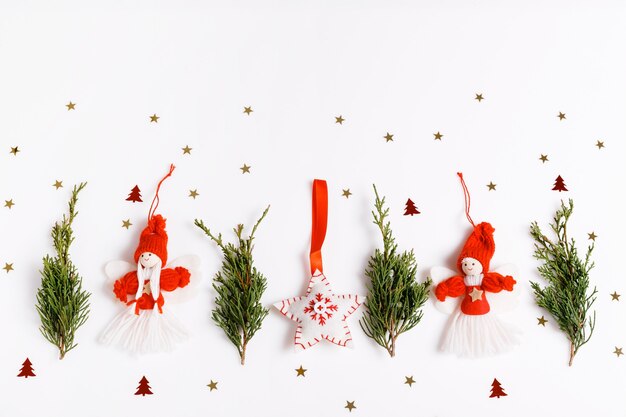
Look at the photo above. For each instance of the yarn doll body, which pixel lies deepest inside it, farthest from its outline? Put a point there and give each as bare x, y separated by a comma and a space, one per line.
474, 329
146, 325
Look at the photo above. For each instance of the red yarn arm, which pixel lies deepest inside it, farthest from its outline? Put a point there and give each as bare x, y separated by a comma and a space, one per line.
183, 276
452, 287
174, 278
494, 282
169, 280
126, 285
159, 302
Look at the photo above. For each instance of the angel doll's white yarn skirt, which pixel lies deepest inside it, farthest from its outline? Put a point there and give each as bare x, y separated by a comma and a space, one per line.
146, 332
478, 335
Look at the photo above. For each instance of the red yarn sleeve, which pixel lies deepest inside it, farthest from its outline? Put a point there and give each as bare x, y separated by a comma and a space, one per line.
174, 278
128, 284
452, 287
159, 302
494, 282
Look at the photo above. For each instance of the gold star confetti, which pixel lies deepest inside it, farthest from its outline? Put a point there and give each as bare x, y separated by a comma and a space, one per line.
57, 184
615, 296
618, 351
561, 116
409, 380
346, 193
339, 119
14, 150
212, 385
300, 371
193, 193
479, 97
600, 144
388, 137
350, 405
245, 169
70, 106
248, 110
592, 236
9, 203
541, 321
491, 186
126, 223
8, 267
154, 118
186, 150
476, 294
437, 136
543, 158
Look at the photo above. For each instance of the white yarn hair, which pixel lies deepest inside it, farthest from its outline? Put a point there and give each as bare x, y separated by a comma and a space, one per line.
154, 275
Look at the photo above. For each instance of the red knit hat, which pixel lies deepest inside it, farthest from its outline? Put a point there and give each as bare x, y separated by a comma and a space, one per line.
153, 239
479, 245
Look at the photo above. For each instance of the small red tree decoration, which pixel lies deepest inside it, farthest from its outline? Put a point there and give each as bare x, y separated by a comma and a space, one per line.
496, 389
135, 195
410, 208
144, 388
27, 369
559, 184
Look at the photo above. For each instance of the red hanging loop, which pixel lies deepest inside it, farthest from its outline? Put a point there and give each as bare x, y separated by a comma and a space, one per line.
468, 200
320, 219
154, 206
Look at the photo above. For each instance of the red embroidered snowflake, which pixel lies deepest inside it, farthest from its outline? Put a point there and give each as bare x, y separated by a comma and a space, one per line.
320, 309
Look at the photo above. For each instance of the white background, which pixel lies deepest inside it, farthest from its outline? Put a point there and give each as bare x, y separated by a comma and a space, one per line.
407, 68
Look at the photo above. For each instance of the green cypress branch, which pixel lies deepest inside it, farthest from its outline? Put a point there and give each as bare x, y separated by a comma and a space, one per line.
566, 295
239, 286
393, 304
62, 304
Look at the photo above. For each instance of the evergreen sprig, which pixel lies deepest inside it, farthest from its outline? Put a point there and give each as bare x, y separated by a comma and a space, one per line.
393, 305
62, 304
239, 286
566, 295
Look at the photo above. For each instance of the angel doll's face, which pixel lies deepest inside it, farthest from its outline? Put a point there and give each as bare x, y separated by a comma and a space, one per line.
471, 266
148, 259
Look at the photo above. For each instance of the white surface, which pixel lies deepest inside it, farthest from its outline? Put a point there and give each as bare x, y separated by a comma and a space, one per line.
407, 68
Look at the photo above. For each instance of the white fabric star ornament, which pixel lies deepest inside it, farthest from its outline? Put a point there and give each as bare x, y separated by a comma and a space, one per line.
320, 314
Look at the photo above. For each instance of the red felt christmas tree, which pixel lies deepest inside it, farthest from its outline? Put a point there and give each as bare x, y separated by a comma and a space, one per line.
135, 195
410, 208
144, 388
496, 389
559, 184
27, 369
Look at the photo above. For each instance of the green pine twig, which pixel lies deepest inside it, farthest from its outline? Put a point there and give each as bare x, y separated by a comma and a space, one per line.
395, 299
566, 295
62, 304
239, 286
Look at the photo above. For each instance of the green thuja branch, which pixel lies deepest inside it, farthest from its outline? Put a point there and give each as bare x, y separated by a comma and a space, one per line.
393, 305
566, 296
62, 304
239, 286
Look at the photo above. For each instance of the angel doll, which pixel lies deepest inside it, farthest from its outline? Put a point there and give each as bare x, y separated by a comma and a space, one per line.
474, 328
146, 325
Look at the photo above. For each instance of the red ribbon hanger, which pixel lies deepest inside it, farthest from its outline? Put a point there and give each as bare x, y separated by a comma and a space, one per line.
320, 218
155, 200
468, 201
